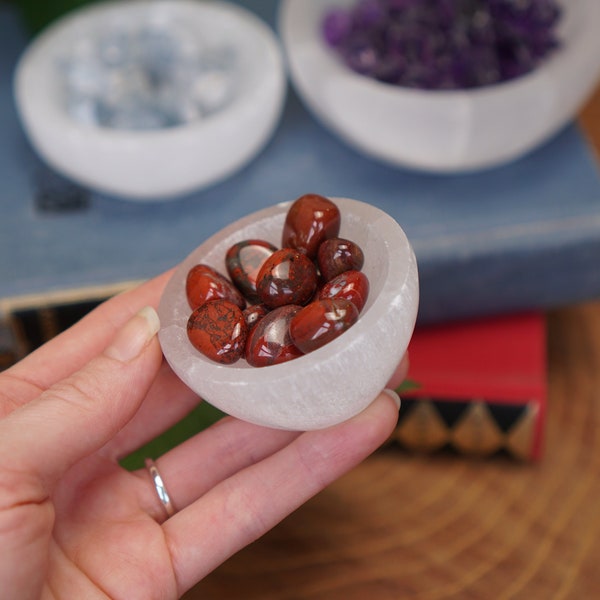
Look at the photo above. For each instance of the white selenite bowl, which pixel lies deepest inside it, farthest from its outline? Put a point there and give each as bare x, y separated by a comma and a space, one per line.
332, 383
159, 163
442, 131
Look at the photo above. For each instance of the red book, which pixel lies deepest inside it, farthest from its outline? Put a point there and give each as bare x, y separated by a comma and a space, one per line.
481, 387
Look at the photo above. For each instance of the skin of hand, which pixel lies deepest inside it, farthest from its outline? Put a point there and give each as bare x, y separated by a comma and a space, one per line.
74, 524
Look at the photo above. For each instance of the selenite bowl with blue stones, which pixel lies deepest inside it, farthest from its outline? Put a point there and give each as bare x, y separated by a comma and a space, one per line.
151, 99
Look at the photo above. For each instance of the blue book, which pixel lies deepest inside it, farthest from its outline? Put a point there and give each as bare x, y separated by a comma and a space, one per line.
522, 236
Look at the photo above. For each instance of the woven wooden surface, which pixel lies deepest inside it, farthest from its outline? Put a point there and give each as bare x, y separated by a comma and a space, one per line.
402, 526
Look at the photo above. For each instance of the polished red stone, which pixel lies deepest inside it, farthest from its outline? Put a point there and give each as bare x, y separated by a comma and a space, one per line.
351, 285
204, 283
338, 255
217, 329
243, 261
270, 342
253, 314
286, 277
310, 220
321, 321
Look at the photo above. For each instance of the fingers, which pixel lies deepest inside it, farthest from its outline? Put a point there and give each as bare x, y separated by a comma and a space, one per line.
72, 349
168, 401
249, 503
237, 445
197, 465
77, 416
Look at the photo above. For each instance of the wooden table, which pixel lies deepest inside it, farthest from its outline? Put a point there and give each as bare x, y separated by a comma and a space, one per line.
404, 526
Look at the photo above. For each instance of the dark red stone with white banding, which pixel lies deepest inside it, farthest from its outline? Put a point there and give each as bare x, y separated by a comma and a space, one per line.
218, 330
320, 322
243, 262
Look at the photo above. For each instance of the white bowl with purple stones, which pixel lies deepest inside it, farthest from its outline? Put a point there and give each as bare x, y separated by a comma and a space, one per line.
151, 99
435, 129
331, 383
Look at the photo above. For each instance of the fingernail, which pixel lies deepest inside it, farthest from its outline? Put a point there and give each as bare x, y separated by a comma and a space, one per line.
134, 335
392, 394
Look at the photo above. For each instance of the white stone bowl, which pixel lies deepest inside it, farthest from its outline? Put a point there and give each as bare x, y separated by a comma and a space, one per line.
162, 163
442, 131
332, 383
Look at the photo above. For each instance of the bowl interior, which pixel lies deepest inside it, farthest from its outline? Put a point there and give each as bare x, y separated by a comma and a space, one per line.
216, 24
329, 384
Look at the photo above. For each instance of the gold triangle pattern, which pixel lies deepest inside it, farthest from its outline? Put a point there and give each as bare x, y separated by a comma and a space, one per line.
475, 433
423, 429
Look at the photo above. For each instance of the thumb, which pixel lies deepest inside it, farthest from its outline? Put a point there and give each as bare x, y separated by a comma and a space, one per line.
78, 415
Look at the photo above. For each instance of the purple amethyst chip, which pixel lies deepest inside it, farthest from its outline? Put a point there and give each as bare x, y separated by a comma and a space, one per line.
443, 44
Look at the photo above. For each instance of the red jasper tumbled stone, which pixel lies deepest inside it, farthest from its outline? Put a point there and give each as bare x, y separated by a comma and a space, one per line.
320, 322
351, 285
253, 314
270, 342
243, 262
217, 329
287, 277
204, 284
310, 220
337, 255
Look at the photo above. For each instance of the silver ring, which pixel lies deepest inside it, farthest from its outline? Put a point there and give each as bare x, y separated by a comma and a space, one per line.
159, 485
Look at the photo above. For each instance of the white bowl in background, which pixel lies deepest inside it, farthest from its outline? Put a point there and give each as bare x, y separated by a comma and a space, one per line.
442, 131
336, 381
159, 163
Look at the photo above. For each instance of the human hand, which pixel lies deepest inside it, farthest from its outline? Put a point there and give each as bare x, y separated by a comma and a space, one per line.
74, 524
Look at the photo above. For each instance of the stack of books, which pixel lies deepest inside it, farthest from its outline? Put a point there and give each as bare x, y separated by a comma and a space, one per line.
519, 237
477, 387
